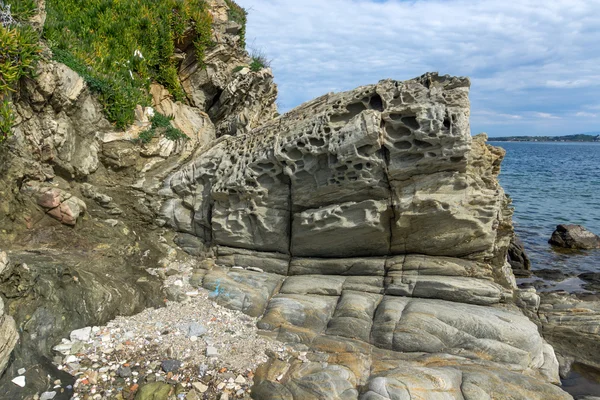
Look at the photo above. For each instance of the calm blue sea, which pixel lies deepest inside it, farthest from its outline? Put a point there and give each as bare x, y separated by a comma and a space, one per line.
550, 184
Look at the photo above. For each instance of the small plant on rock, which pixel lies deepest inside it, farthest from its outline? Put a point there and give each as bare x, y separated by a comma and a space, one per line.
259, 61
161, 124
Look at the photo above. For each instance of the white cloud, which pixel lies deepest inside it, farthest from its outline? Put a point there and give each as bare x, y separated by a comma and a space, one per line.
585, 114
545, 115
520, 55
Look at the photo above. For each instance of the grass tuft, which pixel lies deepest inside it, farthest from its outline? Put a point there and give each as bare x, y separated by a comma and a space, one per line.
161, 124
259, 61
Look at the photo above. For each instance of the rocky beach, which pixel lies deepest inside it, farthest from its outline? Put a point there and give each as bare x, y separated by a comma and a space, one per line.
359, 246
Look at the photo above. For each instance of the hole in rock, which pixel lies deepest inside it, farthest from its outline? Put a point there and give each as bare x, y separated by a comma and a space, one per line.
412, 157
265, 180
294, 154
397, 132
411, 122
376, 103
403, 145
366, 149
430, 154
358, 167
342, 168
355, 109
447, 123
266, 166
423, 144
456, 159
408, 98
317, 142
300, 144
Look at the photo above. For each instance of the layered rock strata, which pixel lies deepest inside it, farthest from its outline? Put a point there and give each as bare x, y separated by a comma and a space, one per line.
369, 227
8, 329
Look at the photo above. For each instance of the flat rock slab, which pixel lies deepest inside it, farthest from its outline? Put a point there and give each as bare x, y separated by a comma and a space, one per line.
245, 291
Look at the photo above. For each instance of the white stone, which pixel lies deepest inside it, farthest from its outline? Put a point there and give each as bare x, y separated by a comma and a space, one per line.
21, 371
83, 334
48, 395
19, 381
71, 359
200, 387
211, 351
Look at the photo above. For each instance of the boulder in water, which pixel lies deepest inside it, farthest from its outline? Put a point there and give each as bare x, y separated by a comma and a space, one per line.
574, 237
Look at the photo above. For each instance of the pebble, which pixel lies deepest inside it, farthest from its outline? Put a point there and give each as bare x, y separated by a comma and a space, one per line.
196, 329
211, 351
48, 395
124, 372
19, 381
21, 371
83, 334
200, 387
170, 365
202, 368
178, 344
71, 359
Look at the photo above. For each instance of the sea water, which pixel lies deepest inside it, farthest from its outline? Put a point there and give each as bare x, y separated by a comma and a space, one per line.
551, 184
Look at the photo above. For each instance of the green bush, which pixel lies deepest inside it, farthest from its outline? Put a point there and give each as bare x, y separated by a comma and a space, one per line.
120, 47
259, 61
161, 124
19, 53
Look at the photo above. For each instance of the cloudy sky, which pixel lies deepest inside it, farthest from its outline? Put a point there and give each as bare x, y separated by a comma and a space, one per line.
534, 64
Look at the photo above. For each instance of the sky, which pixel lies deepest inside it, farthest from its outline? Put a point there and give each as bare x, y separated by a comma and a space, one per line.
534, 65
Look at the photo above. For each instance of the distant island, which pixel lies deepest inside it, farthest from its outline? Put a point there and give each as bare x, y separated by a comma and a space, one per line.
582, 137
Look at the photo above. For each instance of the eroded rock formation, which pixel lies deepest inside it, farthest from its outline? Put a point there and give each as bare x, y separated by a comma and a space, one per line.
371, 229
366, 228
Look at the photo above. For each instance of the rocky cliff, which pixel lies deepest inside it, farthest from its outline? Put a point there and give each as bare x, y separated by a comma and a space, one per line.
367, 229
382, 233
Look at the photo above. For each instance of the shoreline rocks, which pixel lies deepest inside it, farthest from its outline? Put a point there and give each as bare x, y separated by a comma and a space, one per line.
574, 237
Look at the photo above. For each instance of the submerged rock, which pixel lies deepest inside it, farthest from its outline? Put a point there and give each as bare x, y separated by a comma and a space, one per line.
574, 237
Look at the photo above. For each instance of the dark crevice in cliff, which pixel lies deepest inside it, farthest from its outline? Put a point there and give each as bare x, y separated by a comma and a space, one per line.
386, 158
290, 222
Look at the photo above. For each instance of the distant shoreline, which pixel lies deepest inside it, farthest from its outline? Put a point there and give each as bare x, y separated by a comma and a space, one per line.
581, 138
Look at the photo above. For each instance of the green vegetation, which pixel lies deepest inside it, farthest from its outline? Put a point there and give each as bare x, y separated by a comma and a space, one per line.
239, 15
19, 52
119, 47
161, 123
259, 61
